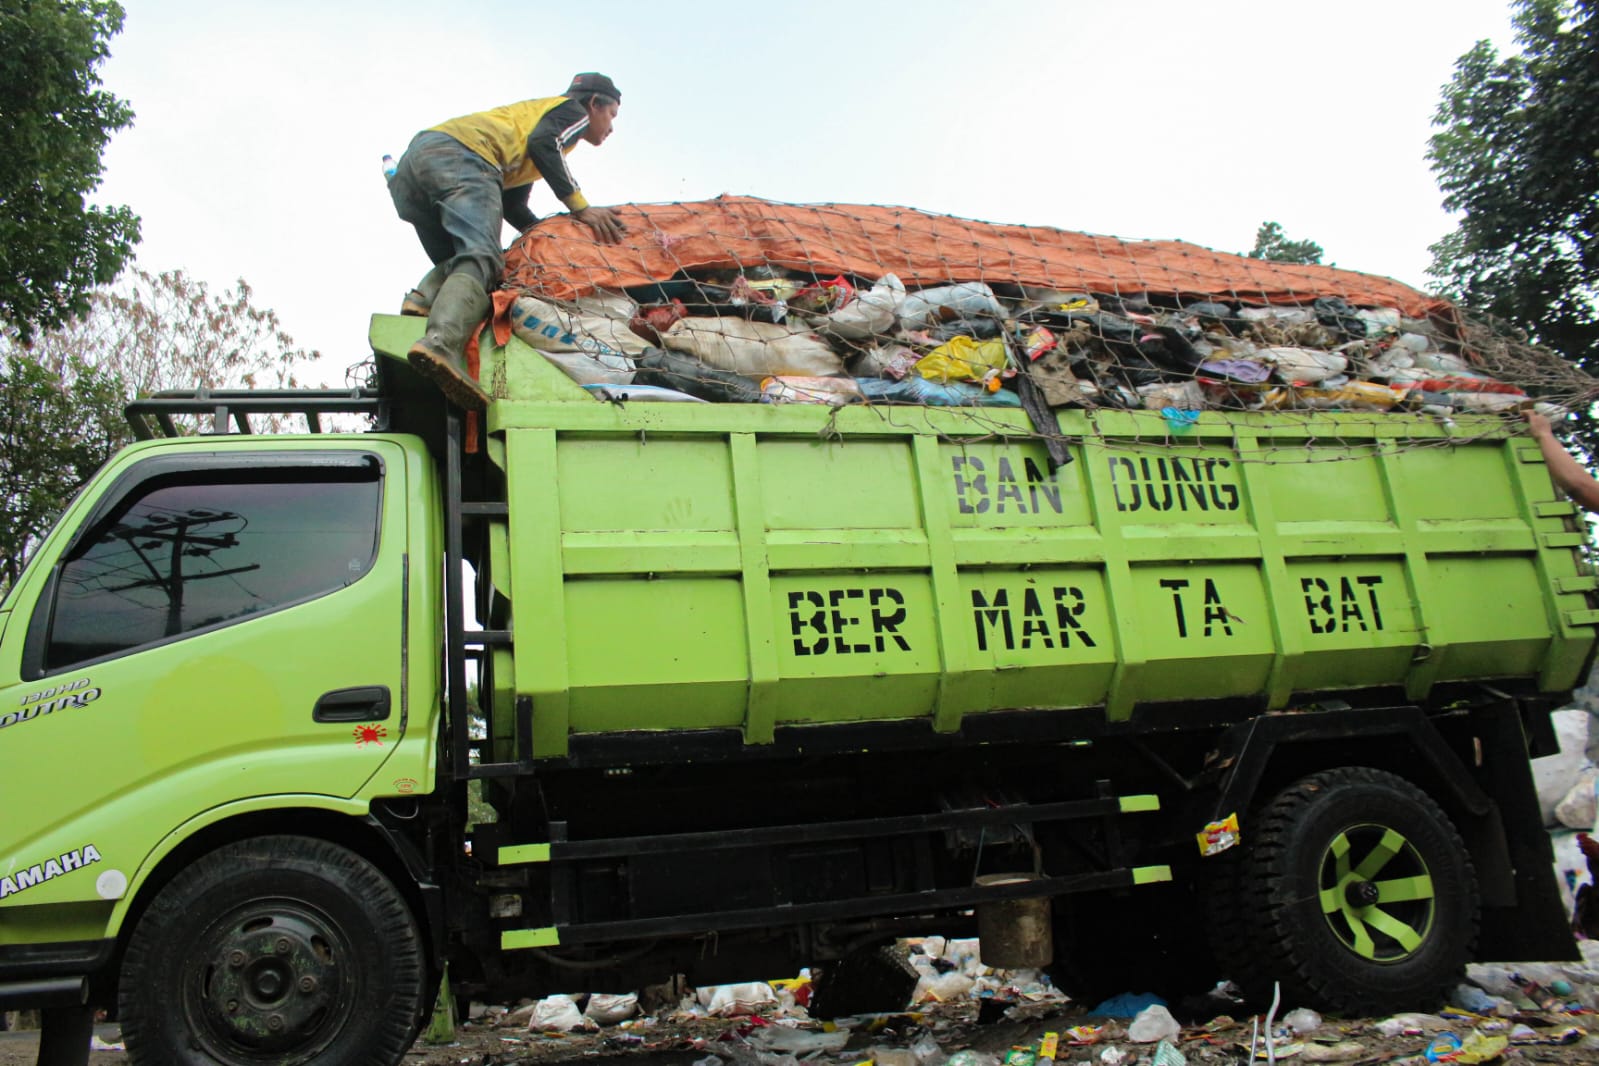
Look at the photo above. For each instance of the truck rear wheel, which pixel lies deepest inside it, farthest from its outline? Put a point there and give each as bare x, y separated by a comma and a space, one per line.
1360, 894
279, 949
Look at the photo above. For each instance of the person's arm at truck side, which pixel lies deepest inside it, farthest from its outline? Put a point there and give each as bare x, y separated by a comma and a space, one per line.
1563, 466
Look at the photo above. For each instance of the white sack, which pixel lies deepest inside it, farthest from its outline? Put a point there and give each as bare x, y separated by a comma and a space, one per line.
729, 1001
971, 299
870, 314
592, 349
558, 1014
1304, 364
1555, 774
608, 1009
754, 349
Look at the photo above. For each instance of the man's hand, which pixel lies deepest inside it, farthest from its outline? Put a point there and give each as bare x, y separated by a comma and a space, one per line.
607, 225
1538, 424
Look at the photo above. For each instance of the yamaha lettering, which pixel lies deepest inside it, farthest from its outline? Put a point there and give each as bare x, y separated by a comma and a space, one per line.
846, 621
1172, 483
979, 490
1342, 604
1051, 623
49, 870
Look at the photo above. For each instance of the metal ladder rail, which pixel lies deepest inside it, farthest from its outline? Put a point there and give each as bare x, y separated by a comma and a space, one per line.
462, 644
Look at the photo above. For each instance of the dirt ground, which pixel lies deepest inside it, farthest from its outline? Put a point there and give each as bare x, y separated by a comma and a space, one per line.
955, 1026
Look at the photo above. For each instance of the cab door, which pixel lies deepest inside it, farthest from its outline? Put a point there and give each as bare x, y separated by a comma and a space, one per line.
225, 626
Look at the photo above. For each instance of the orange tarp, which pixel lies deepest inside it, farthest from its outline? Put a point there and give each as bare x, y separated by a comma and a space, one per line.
559, 258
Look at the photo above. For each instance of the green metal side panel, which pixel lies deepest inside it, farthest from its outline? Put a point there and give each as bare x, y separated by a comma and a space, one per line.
679, 566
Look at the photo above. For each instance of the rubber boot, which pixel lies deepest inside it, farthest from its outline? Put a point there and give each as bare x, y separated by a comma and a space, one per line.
419, 301
440, 355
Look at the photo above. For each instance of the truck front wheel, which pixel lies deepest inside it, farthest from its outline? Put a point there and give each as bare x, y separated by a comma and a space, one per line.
1360, 893
278, 949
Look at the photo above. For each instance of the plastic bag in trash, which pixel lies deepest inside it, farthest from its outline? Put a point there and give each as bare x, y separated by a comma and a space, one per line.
729, 1001
610, 1009
1127, 1004
1334, 312
885, 361
971, 299
963, 359
1153, 1023
942, 988
918, 390
558, 1014
1304, 365
1302, 1020
671, 370
871, 313
790, 388
799, 1041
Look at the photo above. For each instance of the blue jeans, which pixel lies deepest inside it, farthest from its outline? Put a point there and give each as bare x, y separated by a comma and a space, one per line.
452, 196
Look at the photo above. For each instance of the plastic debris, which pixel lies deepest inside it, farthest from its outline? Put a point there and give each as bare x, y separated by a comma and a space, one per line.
558, 1014
1127, 1005
1153, 1023
610, 1009
1302, 1020
1412, 1024
1343, 1051
730, 1001
1166, 1054
799, 1041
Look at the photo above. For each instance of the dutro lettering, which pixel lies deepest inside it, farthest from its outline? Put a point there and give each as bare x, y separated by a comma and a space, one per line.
1171, 483
1216, 616
829, 621
48, 870
1352, 609
975, 493
50, 706
994, 614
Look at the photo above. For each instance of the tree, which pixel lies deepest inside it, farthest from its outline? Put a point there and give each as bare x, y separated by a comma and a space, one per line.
61, 415
1273, 245
169, 331
52, 439
1517, 155
54, 249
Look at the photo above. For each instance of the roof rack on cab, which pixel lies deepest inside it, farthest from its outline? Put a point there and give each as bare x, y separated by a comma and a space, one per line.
231, 409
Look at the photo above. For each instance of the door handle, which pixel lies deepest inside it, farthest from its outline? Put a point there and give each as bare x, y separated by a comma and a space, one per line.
367, 704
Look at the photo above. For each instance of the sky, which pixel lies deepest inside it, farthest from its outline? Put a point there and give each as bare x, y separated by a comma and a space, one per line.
260, 127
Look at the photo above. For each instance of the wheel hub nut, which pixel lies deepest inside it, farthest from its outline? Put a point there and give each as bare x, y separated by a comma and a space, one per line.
308, 983
1362, 894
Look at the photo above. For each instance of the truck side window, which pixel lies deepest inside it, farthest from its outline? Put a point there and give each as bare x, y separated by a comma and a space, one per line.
194, 551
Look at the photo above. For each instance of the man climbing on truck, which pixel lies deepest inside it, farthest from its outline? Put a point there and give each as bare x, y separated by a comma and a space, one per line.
459, 181
1567, 472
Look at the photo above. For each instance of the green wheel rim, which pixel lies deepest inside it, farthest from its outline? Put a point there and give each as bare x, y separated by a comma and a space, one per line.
1377, 893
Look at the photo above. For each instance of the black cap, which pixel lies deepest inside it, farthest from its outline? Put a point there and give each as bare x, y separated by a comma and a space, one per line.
594, 83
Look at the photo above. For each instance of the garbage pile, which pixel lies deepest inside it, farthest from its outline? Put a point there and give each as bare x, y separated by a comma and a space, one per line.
966, 1014
770, 335
770, 1027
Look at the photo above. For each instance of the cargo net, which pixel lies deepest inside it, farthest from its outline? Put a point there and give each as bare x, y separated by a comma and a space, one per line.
738, 300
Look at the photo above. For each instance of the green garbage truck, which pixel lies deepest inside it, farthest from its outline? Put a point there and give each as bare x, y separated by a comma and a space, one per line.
583, 695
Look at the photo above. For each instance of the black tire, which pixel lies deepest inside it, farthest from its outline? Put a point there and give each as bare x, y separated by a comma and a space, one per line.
1322, 857
1148, 940
876, 980
282, 950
